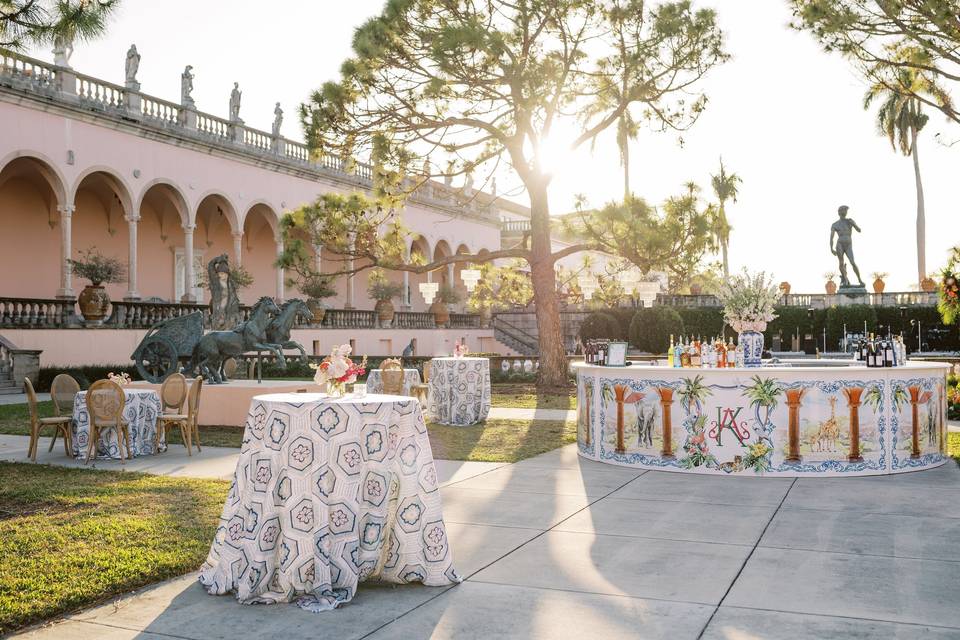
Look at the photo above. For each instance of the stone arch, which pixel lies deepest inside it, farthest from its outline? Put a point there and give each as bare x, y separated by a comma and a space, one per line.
226, 206
31, 191
173, 194
442, 274
115, 182
419, 245
259, 248
44, 166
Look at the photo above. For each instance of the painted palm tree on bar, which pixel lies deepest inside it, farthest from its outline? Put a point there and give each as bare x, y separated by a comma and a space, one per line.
900, 118
495, 85
725, 187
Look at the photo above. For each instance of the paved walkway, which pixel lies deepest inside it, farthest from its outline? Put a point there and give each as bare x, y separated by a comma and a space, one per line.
20, 398
557, 547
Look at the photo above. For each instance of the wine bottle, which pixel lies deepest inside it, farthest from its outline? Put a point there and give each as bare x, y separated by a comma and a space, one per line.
888, 357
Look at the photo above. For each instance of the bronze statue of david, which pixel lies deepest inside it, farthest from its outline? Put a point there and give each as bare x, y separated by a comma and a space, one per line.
843, 249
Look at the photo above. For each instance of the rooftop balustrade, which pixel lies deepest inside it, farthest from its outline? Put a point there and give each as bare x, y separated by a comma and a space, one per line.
72, 90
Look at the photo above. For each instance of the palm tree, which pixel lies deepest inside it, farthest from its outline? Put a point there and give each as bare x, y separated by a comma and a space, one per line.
763, 394
725, 186
900, 118
693, 393
627, 130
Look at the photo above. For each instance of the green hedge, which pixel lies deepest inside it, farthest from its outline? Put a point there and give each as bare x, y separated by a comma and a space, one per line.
651, 328
86, 375
706, 322
601, 325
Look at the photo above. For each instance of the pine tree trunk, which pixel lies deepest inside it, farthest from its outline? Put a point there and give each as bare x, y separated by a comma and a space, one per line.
726, 265
921, 221
553, 356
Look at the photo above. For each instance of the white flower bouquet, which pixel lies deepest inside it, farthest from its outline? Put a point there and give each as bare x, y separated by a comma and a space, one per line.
749, 300
123, 379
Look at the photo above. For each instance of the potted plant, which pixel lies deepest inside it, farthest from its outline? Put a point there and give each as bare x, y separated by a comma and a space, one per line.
785, 288
98, 269
878, 284
928, 284
696, 288
831, 286
316, 288
383, 291
446, 295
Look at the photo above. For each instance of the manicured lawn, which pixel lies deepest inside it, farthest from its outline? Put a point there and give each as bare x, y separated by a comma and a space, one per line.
15, 418
953, 446
72, 537
500, 440
525, 396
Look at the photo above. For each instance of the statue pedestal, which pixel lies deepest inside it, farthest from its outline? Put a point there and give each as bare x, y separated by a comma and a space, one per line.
852, 290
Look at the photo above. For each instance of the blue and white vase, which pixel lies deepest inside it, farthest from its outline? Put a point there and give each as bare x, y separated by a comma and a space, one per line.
752, 342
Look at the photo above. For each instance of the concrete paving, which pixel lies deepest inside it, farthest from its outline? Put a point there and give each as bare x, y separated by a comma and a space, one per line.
20, 398
558, 547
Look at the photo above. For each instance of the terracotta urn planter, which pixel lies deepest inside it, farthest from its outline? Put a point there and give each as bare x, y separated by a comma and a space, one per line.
879, 285
441, 314
385, 313
831, 287
785, 288
696, 289
94, 303
928, 284
317, 309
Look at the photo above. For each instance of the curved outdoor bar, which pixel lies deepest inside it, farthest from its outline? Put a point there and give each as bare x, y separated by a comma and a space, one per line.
792, 419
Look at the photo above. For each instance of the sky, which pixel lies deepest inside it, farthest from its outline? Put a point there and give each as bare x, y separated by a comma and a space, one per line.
785, 116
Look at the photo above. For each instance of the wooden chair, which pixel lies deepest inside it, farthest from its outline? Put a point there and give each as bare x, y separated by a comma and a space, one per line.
173, 395
105, 403
62, 424
422, 391
63, 391
391, 373
187, 422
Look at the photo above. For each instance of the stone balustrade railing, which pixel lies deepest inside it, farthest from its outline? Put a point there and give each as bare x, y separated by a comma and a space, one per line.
413, 320
65, 86
143, 315
36, 313
816, 300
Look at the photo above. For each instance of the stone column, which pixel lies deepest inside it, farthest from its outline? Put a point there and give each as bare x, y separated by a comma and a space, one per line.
450, 275
188, 276
66, 251
794, 397
132, 222
666, 403
405, 302
238, 248
280, 275
349, 302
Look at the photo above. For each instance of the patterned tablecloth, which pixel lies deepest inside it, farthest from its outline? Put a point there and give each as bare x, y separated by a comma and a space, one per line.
328, 493
375, 382
140, 410
459, 390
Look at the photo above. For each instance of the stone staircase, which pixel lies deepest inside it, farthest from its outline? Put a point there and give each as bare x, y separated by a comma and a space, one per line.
8, 385
515, 338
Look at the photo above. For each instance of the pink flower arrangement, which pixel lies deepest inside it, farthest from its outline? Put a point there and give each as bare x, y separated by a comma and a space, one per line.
339, 368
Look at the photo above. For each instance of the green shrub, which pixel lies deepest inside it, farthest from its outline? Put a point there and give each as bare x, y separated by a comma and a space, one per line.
85, 375
600, 325
706, 322
651, 328
853, 317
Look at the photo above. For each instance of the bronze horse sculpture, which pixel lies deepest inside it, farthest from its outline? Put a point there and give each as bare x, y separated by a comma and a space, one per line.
215, 347
278, 331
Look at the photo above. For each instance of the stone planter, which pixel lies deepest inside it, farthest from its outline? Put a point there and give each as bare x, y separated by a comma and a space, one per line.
831, 287
928, 284
879, 285
385, 313
696, 289
94, 304
785, 288
441, 314
317, 309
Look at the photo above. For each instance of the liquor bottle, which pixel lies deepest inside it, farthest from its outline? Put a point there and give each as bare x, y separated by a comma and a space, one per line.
871, 352
739, 359
685, 355
677, 351
696, 356
670, 352
721, 355
864, 350
889, 360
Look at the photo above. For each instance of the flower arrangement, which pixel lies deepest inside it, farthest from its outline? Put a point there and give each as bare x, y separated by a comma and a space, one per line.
123, 379
948, 291
748, 301
337, 370
758, 457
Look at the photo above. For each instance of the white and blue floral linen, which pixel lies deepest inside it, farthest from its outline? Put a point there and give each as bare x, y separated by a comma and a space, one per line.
459, 390
140, 411
328, 493
411, 377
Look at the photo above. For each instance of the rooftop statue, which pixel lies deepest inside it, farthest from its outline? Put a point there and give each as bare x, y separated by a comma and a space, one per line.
277, 120
62, 50
186, 87
235, 102
843, 228
132, 66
